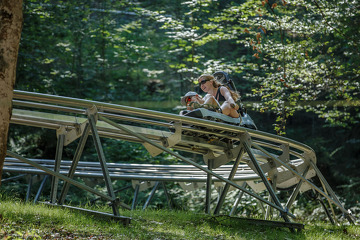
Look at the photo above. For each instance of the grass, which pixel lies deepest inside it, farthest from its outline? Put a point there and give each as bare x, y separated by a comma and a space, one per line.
19, 220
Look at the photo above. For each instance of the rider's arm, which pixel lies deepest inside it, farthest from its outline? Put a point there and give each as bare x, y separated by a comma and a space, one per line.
199, 99
206, 98
227, 95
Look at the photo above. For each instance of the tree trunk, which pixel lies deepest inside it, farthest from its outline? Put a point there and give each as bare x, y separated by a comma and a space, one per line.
11, 19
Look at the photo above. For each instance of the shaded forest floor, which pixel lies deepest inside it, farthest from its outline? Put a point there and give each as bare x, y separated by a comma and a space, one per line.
20, 220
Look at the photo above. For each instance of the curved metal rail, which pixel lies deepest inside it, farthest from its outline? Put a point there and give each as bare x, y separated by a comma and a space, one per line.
128, 171
144, 113
274, 158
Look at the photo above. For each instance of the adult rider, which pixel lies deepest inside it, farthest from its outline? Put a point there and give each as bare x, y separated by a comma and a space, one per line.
218, 95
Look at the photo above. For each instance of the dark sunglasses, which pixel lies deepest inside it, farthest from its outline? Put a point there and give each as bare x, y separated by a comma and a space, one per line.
203, 82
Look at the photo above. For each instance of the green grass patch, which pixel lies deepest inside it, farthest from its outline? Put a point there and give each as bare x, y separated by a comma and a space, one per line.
19, 220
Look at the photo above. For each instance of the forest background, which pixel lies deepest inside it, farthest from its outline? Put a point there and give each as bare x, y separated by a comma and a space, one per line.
295, 63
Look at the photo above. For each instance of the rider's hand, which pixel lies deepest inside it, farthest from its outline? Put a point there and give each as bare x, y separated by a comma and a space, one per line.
234, 105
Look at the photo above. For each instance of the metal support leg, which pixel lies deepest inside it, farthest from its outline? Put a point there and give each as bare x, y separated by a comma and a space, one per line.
266, 182
208, 187
136, 194
220, 190
269, 210
58, 155
28, 192
151, 195
326, 211
227, 186
236, 203
168, 198
102, 160
41, 188
296, 190
331, 207
332, 194
261, 205
75, 161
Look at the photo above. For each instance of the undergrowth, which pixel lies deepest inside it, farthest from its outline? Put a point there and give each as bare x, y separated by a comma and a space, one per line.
20, 220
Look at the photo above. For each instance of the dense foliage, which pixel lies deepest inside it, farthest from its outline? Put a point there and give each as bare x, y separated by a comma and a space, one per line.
291, 55
298, 60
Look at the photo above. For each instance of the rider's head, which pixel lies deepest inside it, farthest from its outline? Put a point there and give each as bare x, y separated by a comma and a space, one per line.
186, 99
208, 77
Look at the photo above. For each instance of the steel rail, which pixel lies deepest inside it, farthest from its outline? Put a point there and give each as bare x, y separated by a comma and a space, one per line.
47, 106
55, 123
111, 133
136, 176
20, 116
115, 116
114, 135
144, 135
141, 169
149, 172
21, 121
111, 165
83, 112
113, 108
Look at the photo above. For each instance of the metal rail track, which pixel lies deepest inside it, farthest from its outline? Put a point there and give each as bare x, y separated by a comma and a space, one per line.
278, 161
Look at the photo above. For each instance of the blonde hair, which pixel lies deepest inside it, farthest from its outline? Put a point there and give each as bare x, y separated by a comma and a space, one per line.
234, 94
